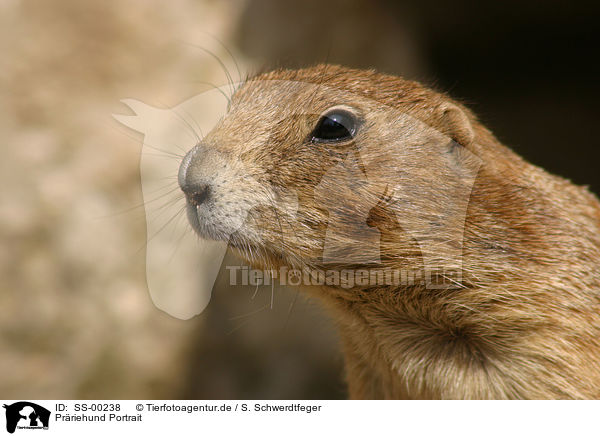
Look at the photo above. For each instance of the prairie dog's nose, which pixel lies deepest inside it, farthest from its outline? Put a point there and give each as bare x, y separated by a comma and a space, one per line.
196, 194
191, 179
184, 168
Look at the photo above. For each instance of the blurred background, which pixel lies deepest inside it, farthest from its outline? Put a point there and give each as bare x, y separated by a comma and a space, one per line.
76, 320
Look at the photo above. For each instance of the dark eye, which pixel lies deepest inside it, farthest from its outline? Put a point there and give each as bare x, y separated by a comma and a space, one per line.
337, 125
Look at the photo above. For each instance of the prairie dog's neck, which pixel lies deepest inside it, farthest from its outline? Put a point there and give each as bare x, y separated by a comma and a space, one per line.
461, 344
417, 344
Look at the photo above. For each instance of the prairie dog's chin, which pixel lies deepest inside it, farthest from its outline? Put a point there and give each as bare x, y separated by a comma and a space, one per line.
219, 225
204, 226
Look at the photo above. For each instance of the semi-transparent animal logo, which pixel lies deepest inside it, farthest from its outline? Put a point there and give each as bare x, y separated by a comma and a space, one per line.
430, 207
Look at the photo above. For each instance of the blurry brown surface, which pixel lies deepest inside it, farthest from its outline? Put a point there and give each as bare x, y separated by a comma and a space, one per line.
76, 319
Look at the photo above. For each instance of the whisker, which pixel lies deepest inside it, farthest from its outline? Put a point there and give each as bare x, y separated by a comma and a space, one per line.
165, 207
246, 315
195, 135
143, 204
292, 304
247, 318
193, 119
214, 87
177, 158
222, 44
185, 232
145, 245
255, 292
221, 63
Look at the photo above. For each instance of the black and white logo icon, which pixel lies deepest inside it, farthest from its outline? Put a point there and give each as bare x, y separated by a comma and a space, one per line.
26, 415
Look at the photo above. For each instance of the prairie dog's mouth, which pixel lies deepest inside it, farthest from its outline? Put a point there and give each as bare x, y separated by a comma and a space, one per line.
210, 225
192, 215
203, 226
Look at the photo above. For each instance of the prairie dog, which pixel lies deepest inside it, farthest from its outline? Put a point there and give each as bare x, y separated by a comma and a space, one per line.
335, 169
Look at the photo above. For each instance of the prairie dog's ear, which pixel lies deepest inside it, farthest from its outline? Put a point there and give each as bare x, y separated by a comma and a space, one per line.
456, 123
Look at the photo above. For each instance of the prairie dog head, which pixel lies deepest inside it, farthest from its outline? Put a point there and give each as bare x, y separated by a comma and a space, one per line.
333, 167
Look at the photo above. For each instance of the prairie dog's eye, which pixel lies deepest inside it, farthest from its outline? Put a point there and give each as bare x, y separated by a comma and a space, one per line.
335, 125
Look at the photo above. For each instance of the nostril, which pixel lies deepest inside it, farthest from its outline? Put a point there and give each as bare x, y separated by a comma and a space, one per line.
198, 194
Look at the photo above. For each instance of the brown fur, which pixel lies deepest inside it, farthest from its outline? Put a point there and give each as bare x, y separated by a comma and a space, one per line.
524, 321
